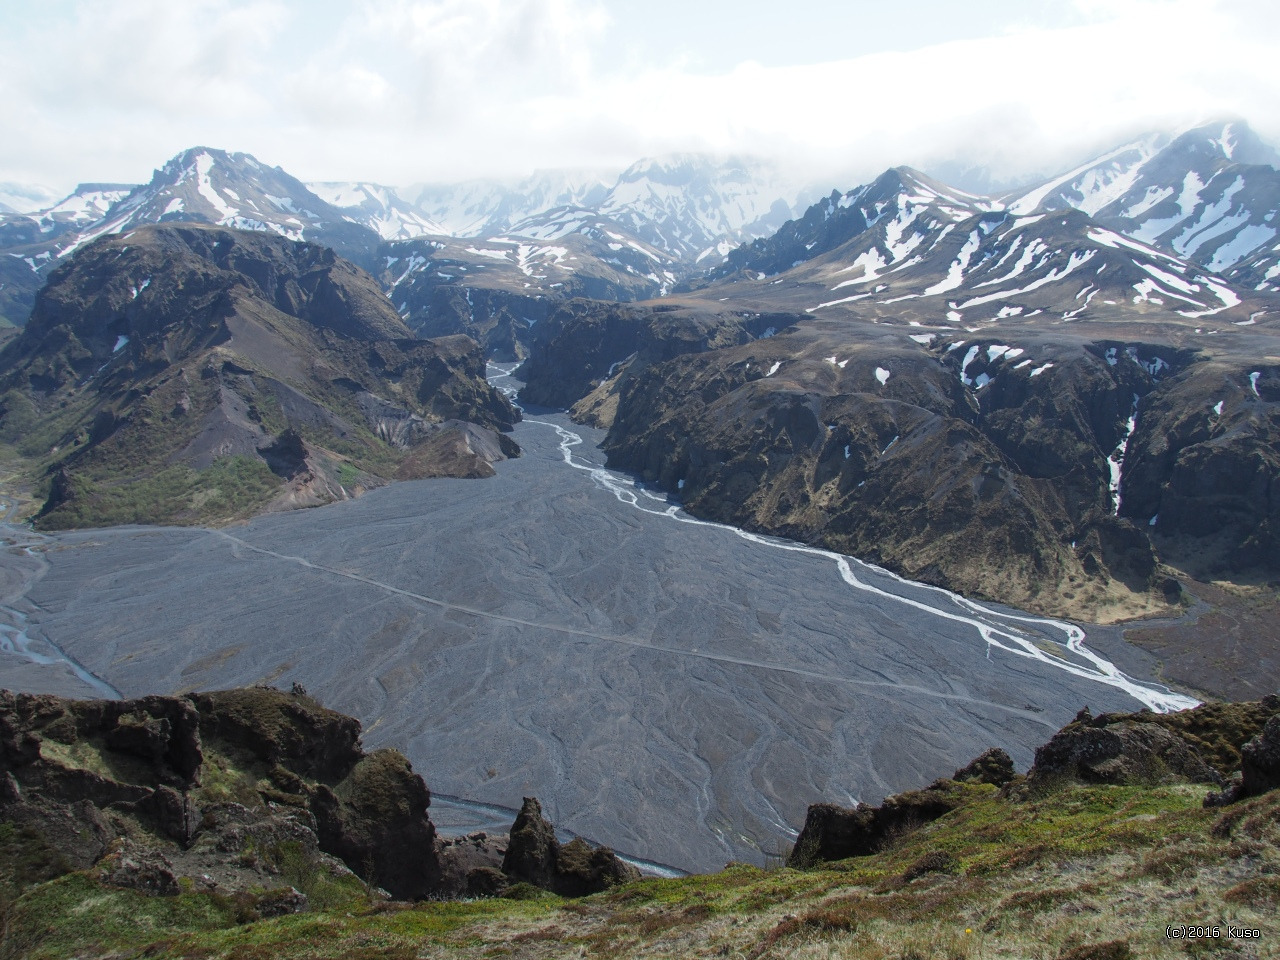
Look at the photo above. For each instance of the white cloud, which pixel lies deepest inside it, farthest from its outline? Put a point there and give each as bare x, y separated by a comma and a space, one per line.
405, 90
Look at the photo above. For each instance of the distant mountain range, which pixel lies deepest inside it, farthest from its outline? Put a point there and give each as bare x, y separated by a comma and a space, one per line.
1166, 222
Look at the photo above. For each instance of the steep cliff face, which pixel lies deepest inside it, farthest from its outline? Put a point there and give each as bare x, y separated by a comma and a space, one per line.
1204, 467
889, 452
189, 373
584, 343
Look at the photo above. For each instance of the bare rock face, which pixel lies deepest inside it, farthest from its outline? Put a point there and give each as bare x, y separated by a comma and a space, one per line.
574, 869
206, 786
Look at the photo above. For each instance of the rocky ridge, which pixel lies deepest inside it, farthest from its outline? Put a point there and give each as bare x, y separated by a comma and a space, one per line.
254, 793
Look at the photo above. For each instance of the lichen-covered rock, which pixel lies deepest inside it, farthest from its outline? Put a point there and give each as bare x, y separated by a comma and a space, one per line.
1121, 750
574, 869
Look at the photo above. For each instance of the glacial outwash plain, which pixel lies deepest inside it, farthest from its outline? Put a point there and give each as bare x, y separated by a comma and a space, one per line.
602, 656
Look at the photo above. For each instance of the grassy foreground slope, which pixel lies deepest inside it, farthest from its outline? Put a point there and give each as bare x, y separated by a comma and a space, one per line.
1047, 866
1047, 877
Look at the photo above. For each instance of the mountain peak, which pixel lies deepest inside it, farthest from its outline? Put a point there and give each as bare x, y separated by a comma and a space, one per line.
1228, 138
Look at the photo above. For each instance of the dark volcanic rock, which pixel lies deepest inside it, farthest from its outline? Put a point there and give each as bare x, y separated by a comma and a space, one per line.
149, 363
831, 832
1002, 493
1208, 474
376, 817
80, 775
574, 869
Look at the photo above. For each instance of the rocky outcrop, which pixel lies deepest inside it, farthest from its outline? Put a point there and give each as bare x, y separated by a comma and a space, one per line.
831, 832
573, 869
167, 787
1260, 769
994, 767
1204, 745
1193, 746
1120, 751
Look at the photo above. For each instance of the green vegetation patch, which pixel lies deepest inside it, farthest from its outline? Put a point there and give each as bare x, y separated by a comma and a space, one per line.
232, 487
74, 915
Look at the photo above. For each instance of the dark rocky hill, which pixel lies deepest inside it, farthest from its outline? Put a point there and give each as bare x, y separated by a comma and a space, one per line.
188, 373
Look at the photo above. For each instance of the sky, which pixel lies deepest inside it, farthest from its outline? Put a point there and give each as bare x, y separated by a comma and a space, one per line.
410, 91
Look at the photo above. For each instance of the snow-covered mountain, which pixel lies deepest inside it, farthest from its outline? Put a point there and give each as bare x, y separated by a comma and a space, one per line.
698, 207
912, 250
379, 208
201, 185
694, 207
1210, 194
232, 190
489, 208
902, 214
